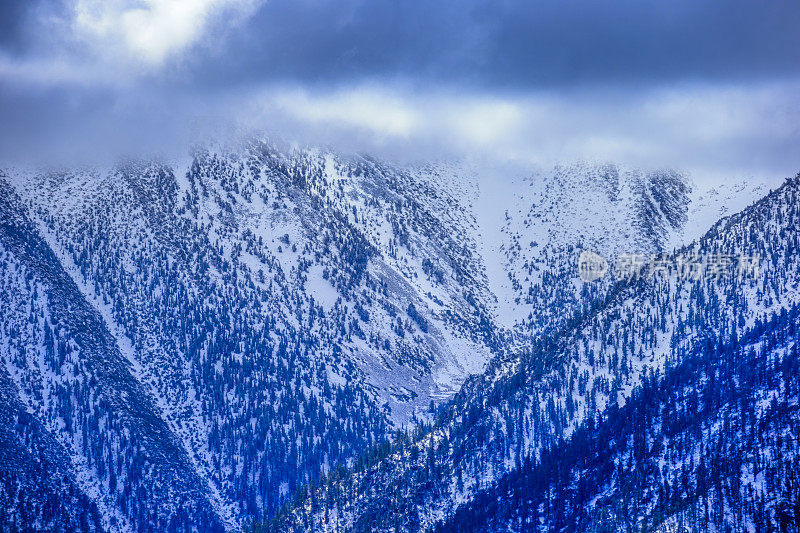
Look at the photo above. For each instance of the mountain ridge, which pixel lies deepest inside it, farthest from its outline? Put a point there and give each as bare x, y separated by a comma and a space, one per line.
287, 310
501, 417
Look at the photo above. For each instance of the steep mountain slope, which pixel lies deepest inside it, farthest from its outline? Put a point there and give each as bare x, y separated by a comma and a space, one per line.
70, 400
712, 446
527, 402
284, 309
37, 490
605, 209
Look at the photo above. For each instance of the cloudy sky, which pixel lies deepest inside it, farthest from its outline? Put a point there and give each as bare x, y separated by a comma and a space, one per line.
698, 84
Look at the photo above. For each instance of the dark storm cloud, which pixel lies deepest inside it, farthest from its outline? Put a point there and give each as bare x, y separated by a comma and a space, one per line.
706, 84
513, 44
12, 15
24, 24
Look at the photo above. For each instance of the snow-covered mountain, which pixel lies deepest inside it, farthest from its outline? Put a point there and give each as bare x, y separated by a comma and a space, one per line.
187, 343
85, 444
710, 446
529, 402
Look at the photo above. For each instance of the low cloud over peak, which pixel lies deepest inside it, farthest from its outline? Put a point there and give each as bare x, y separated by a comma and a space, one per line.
685, 83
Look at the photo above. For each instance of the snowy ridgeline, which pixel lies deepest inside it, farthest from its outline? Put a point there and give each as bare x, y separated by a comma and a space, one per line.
523, 408
191, 344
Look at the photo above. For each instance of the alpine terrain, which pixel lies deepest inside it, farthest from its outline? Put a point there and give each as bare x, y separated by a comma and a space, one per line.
266, 337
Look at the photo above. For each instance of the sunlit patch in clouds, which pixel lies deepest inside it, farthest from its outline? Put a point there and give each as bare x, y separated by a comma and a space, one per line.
375, 111
396, 115
151, 30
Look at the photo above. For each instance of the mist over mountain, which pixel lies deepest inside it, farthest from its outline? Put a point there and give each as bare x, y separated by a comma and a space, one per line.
315, 266
280, 312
